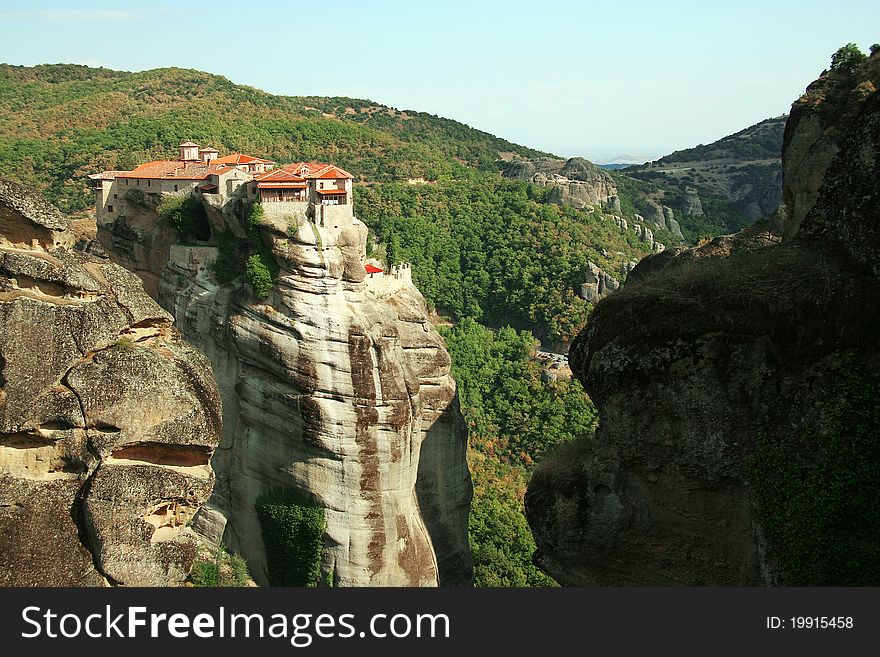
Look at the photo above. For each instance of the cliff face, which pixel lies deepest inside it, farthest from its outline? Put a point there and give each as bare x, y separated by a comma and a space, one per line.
107, 419
575, 182
335, 386
737, 387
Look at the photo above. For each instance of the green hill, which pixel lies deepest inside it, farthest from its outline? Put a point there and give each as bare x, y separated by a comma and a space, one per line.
738, 178
63, 121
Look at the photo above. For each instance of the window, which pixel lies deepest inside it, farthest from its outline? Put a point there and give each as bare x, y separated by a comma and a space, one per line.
109, 208
125, 180
148, 183
321, 186
175, 188
116, 196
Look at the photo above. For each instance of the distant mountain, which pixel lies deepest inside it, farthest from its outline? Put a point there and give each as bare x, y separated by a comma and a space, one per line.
614, 166
743, 169
625, 159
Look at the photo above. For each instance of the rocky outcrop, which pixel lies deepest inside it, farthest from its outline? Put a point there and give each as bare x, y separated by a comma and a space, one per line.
820, 122
575, 182
737, 387
690, 204
338, 387
598, 284
107, 419
662, 217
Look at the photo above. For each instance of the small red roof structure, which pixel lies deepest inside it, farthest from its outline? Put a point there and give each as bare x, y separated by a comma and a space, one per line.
241, 158
373, 270
320, 170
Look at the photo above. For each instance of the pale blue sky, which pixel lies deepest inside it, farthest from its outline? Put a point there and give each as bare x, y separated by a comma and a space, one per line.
585, 78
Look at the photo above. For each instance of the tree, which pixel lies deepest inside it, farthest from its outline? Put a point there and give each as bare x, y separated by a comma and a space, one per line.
847, 58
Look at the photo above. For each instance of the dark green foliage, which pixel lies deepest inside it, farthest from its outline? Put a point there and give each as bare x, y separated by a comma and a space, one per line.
247, 256
513, 420
204, 573
136, 197
491, 249
816, 490
187, 215
500, 538
227, 266
293, 532
258, 275
512, 414
847, 58
255, 215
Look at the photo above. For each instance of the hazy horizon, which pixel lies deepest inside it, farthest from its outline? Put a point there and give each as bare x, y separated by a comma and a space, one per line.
581, 79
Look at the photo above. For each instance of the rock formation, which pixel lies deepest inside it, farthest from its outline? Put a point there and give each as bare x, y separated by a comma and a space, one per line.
107, 419
575, 182
737, 386
597, 284
661, 216
336, 386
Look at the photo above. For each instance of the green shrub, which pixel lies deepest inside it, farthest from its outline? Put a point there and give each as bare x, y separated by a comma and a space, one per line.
293, 532
847, 58
258, 273
255, 215
136, 197
227, 267
204, 573
186, 215
224, 569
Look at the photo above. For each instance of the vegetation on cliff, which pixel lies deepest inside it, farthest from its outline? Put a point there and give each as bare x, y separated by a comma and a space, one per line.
514, 418
293, 532
490, 249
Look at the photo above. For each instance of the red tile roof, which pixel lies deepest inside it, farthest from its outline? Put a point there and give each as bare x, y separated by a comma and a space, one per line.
175, 170
241, 158
279, 175
373, 270
282, 185
331, 192
320, 170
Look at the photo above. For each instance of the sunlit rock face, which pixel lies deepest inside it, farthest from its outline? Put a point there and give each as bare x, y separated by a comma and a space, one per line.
107, 418
336, 386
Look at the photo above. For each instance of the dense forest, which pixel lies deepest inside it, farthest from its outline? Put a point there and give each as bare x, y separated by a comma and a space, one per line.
514, 419
491, 249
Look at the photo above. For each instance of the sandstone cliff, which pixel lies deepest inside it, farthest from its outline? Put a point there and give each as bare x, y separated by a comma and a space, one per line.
107, 419
335, 386
737, 384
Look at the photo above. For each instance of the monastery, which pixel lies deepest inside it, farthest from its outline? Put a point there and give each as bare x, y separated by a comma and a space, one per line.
318, 191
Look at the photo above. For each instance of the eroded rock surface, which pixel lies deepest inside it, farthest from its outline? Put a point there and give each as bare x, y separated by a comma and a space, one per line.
337, 386
107, 419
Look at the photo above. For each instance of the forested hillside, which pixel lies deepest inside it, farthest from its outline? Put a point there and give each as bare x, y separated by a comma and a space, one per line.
62, 122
